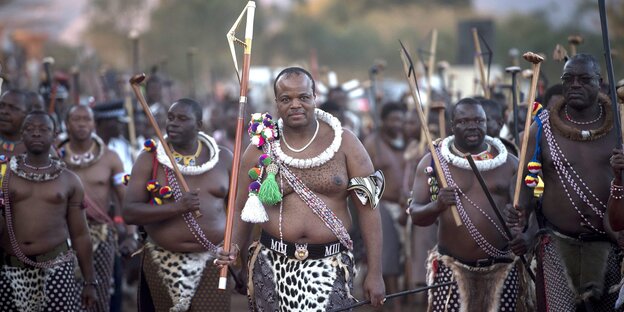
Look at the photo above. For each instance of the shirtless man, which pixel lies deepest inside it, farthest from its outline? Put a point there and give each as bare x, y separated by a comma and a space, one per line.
386, 148
578, 259
177, 243
101, 173
474, 254
303, 260
42, 210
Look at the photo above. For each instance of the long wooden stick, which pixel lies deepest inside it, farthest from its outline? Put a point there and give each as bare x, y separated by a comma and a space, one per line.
408, 67
536, 60
135, 82
250, 8
430, 64
479, 56
499, 216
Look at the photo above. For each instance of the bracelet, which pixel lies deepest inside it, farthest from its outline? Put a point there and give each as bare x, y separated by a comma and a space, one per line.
616, 189
118, 219
93, 283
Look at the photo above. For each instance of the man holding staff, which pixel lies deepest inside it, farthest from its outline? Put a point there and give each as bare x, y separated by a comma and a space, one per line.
476, 255
303, 261
178, 271
578, 258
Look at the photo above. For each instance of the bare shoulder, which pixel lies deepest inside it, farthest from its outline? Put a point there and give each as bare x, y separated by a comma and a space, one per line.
512, 161
350, 142
143, 163
225, 154
71, 179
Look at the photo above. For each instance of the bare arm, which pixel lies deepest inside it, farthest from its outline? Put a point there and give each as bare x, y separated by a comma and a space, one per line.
615, 207
137, 209
78, 228
360, 165
423, 211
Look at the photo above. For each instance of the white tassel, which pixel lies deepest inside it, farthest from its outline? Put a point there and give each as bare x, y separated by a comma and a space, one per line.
254, 211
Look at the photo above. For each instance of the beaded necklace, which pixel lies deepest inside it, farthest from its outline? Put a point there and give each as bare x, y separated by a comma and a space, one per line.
483, 164
576, 134
18, 161
569, 118
207, 140
481, 241
188, 160
299, 150
322, 158
84, 160
569, 178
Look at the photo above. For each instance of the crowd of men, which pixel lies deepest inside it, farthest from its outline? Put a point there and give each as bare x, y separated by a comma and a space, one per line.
327, 212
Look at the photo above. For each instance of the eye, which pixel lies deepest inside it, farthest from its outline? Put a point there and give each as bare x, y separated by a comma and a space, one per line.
284, 100
304, 98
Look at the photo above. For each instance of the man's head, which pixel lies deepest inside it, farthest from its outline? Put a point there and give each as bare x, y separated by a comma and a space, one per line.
581, 81
153, 89
34, 101
469, 124
411, 130
38, 132
494, 115
13, 109
295, 96
184, 120
339, 96
553, 94
80, 122
393, 118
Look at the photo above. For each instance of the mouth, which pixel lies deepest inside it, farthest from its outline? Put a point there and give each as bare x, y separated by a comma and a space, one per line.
473, 137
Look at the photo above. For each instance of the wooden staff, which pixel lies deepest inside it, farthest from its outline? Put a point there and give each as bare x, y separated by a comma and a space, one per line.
499, 216
430, 64
440, 108
514, 70
47, 66
190, 56
479, 56
408, 67
131, 125
134, 38
574, 41
536, 60
135, 84
560, 53
75, 85
250, 9
607, 54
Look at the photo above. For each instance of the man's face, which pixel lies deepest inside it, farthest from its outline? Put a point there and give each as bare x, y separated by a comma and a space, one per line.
469, 125
581, 84
494, 122
295, 100
80, 123
38, 134
394, 122
181, 124
412, 125
12, 113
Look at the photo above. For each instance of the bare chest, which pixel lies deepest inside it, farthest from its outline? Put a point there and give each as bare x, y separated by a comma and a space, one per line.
328, 179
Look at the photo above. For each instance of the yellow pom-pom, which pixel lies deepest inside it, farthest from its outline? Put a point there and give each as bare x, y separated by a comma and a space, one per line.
530, 181
534, 167
536, 108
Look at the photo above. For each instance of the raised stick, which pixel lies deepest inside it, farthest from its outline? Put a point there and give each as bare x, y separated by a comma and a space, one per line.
47, 66
250, 8
408, 67
514, 70
135, 82
490, 199
536, 60
484, 82
430, 64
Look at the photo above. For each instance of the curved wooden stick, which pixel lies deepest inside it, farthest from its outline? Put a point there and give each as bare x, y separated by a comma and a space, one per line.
484, 82
537, 62
430, 64
135, 82
423, 124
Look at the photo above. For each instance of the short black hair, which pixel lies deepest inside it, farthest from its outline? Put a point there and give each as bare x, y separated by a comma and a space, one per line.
290, 71
585, 58
330, 106
464, 101
75, 107
390, 107
491, 106
19, 93
40, 113
556, 89
197, 109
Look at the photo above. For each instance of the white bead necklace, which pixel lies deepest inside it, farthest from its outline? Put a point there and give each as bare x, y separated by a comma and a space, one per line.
322, 158
299, 150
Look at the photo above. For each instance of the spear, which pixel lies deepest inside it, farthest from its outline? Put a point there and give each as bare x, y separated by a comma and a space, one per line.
408, 67
612, 82
430, 63
243, 78
479, 56
536, 60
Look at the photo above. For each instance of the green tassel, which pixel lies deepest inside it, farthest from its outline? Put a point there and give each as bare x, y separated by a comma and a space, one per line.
270, 193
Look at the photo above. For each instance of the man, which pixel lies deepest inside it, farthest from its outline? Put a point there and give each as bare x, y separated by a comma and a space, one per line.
13, 109
101, 173
110, 124
177, 271
495, 121
306, 237
578, 259
386, 149
474, 254
42, 210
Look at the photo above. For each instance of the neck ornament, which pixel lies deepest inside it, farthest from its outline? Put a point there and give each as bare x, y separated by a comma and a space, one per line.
484, 160
577, 134
188, 160
299, 150
204, 139
82, 160
17, 165
569, 118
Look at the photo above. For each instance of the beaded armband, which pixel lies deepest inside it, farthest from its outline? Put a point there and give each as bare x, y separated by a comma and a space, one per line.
368, 189
432, 182
617, 191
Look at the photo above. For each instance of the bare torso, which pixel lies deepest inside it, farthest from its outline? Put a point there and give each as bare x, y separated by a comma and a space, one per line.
389, 160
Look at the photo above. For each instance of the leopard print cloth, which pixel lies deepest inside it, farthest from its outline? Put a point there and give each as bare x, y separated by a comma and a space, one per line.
39, 290
104, 240
279, 283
